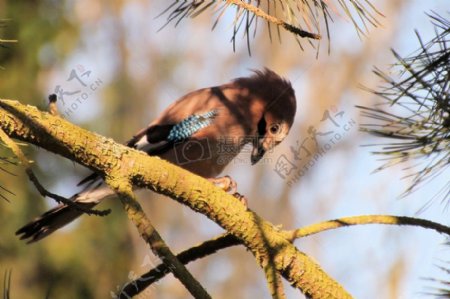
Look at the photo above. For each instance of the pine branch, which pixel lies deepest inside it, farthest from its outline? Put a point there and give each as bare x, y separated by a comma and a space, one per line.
441, 289
419, 95
152, 237
302, 18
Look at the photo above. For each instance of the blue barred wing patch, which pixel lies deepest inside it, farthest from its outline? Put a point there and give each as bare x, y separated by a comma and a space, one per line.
190, 125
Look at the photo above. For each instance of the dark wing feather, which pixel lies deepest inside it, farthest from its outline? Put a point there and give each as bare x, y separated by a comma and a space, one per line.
155, 134
158, 143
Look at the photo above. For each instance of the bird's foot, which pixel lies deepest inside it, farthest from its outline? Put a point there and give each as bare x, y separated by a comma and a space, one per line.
225, 183
229, 185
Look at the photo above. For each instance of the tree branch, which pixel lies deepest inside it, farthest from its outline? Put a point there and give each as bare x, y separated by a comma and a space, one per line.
226, 240
152, 237
274, 20
33, 178
274, 281
105, 156
365, 219
204, 249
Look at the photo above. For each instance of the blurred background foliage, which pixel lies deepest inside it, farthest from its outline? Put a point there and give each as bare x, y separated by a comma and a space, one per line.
128, 71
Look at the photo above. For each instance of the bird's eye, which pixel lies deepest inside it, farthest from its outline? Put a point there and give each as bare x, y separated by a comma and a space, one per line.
275, 128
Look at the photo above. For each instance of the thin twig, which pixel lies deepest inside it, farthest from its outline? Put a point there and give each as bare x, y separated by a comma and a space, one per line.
52, 107
32, 177
271, 19
204, 249
7, 284
365, 219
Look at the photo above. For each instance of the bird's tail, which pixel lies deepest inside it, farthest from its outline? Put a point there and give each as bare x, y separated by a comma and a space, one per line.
61, 215
50, 221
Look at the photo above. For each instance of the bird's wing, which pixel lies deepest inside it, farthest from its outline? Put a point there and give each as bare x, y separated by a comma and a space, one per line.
157, 134
156, 139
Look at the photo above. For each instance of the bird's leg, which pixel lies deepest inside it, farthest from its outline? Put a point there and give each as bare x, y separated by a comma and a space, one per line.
228, 185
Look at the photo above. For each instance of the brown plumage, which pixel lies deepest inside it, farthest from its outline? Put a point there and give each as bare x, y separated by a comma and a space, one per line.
259, 109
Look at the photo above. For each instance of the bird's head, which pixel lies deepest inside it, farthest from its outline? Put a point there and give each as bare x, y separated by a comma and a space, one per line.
271, 131
277, 117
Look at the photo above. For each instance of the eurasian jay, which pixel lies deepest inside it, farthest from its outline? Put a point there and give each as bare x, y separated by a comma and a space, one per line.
201, 132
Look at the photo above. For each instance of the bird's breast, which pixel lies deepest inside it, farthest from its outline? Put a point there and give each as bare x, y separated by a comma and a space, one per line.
206, 153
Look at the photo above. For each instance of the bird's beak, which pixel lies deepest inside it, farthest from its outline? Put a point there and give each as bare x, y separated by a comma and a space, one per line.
260, 147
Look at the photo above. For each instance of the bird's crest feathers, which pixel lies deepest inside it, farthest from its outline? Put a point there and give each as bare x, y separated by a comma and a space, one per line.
276, 91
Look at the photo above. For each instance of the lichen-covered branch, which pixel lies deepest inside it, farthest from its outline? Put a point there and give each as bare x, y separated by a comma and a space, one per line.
226, 240
152, 237
33, 178
274, 281
104, 156
365, 219
135, 214
204, 249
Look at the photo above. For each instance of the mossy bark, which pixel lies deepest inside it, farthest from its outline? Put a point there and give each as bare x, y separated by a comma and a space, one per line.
121, 165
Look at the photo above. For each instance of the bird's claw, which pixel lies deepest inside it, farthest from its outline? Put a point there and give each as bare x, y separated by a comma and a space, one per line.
225, 183
229, 185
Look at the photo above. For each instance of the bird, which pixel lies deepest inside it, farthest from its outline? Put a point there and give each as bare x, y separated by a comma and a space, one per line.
202, 132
